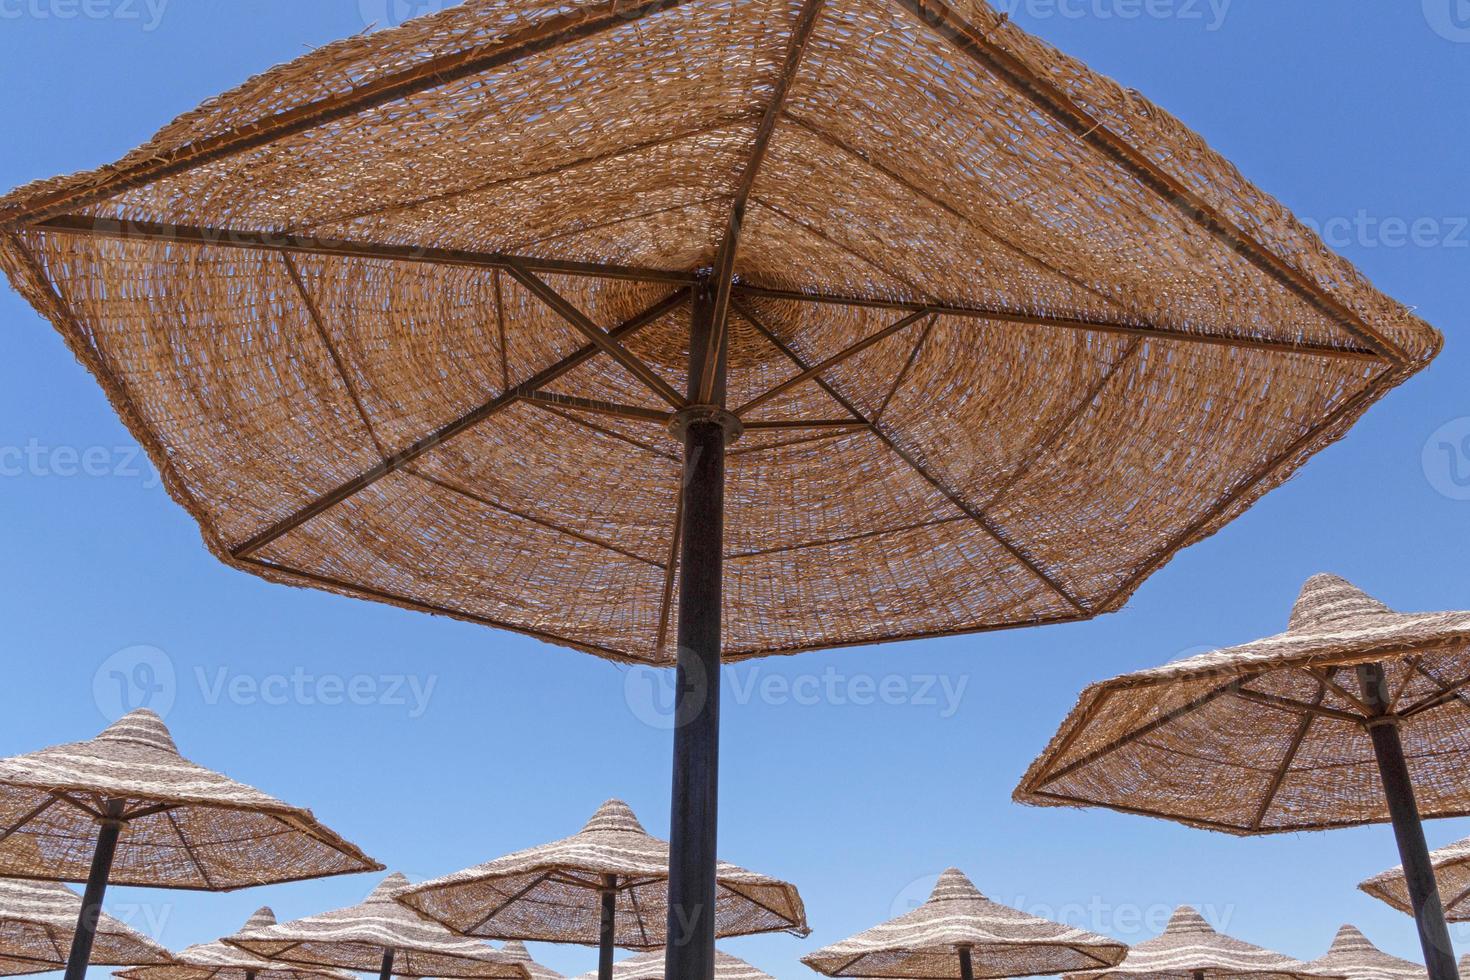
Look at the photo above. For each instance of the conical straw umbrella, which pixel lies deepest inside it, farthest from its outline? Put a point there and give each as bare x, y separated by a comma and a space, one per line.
650, 966
1451, 866
1190, 949
1354, 715
516, 952
1353, 956
412, 317
38, 920
125, 808
378, 936
959, 933
607, 885
221, 961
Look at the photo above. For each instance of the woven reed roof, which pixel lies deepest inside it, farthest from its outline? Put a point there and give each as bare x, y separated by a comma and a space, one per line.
1451, 872
37, 920
355, 938
650, 966
925, 943
1270, 736
1189, 946
516, 952
553, 892
186, 826
1004, 335
1353, 956
221, 961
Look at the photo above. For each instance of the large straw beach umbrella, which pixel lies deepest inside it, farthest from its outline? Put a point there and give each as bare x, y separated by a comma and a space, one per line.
959, 934
38, 920
1189, 948
125, 808
221, 961
378, 936
607, 885
1354, 715
650, 966
1451, 866
516, 952
412, 317
1354, 957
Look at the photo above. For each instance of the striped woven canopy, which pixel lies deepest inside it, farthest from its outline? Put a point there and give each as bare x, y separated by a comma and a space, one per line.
406, 319
37, 920
553, 893
1188, 947
355, 938
650, 966
184, 826
1451, 872
1272, 735
1353, 956
516, 952
924, 944
221, 961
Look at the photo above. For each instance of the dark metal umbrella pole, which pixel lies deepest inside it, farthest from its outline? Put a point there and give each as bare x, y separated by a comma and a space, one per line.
110, 829
608, 930
386, 972
1408, 828
967, 965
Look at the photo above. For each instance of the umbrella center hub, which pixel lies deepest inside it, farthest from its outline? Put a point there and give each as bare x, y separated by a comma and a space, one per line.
727, 420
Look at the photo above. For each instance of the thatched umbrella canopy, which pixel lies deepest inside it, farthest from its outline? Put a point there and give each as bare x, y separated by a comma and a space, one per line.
607, 885
1356, 714
1451, 873
516, 952
126, 808
1353, 956
959, 933
650, 966
38, 920
221, 961
411, 317
379, 936
1190, 949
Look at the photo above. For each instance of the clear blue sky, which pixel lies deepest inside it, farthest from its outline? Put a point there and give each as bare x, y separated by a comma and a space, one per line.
1348, 111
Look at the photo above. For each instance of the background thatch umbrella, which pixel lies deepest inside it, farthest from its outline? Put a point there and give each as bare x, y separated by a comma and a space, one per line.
1190, 949
221, 961
959, 933
1356, 714
38, 920
650, 966
516, 952
1353, 956
126, 808
607, 885
1001, 335
1451, 866
379, 936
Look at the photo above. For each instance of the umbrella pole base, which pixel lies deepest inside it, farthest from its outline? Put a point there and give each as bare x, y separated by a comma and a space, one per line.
1408, 830
80, 956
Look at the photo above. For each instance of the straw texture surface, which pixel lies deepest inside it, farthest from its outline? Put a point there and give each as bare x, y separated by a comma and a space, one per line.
1004, 335
1188, 945
1272, 735
221, 961
185, 826
650, 966
925, 943
552, 893
1354, 957
356, 937
1451, 872
516, 952
37, 920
